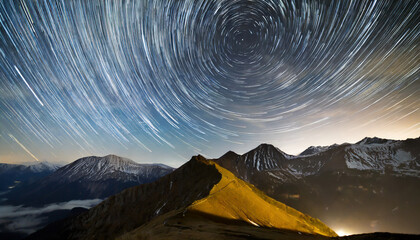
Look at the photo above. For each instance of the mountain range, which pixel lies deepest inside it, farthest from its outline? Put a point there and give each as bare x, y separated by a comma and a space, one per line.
375, 181
86, 178
399, 158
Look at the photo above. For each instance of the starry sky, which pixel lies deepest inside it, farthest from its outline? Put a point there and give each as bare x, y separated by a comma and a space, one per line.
160, 81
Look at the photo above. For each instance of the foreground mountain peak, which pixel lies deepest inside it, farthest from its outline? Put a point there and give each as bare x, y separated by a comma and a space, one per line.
232, 198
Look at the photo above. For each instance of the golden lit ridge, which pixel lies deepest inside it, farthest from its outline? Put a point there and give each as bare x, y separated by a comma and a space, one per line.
232, 198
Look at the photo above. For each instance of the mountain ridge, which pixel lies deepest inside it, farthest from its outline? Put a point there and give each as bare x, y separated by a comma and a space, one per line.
359, 156
230, 186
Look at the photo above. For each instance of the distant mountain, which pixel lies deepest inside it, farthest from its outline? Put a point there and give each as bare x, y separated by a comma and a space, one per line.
110, 167
42, 166
400, 158
199, 200
87, 178
12, 175
375, 180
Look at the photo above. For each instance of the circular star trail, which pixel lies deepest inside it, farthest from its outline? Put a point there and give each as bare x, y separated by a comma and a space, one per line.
167, 79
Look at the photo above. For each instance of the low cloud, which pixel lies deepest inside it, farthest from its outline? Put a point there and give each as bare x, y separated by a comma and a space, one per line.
30, 219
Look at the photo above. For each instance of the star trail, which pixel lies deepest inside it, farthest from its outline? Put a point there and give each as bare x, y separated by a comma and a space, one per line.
159, 81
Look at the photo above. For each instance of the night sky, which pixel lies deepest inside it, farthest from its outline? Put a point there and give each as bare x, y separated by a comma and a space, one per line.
160, 81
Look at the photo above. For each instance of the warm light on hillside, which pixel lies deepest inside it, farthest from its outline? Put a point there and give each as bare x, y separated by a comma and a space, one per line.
343, 232
256, 208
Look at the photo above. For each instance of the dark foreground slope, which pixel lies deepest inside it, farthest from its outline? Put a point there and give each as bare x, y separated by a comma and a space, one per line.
196, 225
381, 236
193, 225
198, 200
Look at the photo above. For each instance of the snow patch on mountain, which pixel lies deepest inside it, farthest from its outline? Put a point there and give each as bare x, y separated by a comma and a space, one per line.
266, 157
379, 156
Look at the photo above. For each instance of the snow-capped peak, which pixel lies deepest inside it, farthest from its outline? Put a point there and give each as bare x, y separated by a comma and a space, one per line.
111, 166
265, 156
